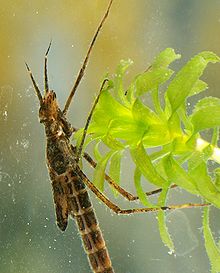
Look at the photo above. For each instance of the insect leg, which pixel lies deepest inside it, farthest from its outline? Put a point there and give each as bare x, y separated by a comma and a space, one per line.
123, 192
79, 150
85, 62
118, 210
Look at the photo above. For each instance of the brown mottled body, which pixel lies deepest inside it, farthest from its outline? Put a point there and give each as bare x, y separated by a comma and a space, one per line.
69, 191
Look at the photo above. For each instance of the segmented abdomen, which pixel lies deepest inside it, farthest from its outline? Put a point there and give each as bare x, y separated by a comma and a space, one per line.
71, 197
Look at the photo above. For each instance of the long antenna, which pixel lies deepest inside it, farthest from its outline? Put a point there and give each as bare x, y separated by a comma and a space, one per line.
37, 90
46, 84
82, 70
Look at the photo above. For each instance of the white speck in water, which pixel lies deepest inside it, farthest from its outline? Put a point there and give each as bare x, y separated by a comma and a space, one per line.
4, 175
171, 252
45, 226
29, 92
70, 262
50, 247
25, 143
4, 217
5, 115
200, 229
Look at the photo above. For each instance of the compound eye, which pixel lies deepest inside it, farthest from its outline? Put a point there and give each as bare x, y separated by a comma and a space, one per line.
42, 115
53, 94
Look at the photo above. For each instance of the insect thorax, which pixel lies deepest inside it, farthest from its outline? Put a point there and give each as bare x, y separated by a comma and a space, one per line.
58, 131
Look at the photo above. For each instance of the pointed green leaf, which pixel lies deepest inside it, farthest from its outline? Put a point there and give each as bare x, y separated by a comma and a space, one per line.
157, 74
96, 152
183, 83
195, 160
206, 114
130, 131
99, 173
205, 185
212, 249
143, 162
198, 87
115, 169
164, 234
165, 58
215, 136
143, 113
217, 178
151, 80
155, 131
113, 143
119, 91
109, 108
141, 194
176, 174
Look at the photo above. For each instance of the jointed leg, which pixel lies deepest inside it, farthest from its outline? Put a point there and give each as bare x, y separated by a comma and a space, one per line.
118, 210
79, 150
123, 192
85, 62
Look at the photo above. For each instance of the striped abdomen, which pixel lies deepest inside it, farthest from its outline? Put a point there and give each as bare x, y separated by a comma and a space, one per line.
71, 197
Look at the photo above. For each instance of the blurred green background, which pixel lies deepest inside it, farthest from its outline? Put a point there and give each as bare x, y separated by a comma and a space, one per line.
30, 242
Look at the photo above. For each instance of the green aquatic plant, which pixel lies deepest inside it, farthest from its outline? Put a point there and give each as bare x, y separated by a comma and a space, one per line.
122, 121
